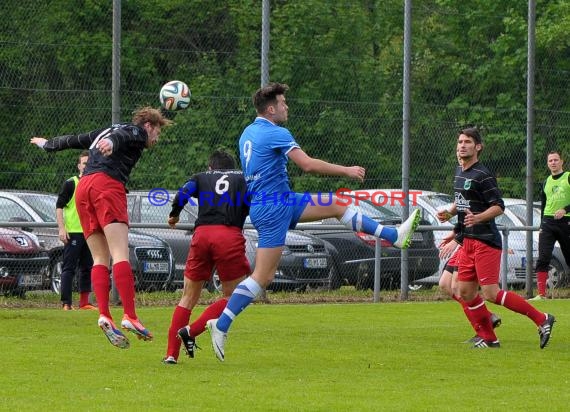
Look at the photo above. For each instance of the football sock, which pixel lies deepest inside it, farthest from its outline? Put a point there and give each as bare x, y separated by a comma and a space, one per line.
516, 303
180, 318
466, 310
83, 298
541, 278
358, 222
242, 296
459, 300
125, 283
213, 311
100, 282
480, 318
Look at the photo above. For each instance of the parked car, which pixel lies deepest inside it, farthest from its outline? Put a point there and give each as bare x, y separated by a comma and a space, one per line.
429, 202
559, 273
23, 262
305, 261
150, 257
354, 252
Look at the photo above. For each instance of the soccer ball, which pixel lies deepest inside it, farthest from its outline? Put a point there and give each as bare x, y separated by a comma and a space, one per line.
175, 95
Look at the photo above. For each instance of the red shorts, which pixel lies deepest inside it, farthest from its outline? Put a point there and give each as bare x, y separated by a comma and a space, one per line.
453, 259
217, 246
451, 264
479, 262
100, 200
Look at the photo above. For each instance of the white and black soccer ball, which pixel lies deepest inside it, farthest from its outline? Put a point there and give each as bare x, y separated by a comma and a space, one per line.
175, 95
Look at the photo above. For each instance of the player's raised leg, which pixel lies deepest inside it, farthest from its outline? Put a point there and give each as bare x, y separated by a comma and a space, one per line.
354, 219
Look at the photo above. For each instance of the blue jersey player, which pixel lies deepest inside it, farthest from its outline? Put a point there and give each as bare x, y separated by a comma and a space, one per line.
265, 148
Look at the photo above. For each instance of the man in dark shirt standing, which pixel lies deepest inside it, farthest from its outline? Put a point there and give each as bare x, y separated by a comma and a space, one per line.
75, 251
217, 242
555, 222
478, 201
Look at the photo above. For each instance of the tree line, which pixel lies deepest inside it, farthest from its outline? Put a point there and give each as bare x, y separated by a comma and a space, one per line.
343, 61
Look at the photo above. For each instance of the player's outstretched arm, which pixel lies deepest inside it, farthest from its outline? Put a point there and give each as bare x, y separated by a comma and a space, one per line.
80, 141
311, 165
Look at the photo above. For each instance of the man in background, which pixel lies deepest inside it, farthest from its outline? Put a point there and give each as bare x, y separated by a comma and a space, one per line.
555, 219
75, 252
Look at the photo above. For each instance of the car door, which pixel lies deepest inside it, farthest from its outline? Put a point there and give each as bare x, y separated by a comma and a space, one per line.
143, 210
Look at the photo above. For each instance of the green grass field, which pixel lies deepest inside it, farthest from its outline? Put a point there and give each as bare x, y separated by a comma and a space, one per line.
320, 357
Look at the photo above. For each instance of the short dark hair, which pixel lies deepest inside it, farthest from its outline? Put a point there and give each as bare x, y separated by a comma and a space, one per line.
555, 152
84, 153
221, 160
267, 95
473, 133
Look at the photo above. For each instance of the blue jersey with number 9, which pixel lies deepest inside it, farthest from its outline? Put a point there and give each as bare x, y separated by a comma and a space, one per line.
263, 148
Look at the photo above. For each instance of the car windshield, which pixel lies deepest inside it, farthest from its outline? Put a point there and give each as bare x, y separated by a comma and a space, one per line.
153, 213
520, 211
505, 220
431, 201
376, 212
438, 200
11, 211
43, 205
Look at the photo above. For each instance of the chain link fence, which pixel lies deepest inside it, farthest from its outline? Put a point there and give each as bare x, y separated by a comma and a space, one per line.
342, 60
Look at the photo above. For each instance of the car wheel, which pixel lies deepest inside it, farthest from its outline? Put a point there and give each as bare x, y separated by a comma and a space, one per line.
55, 274
335, 282
556, 275
364, 282
18, 292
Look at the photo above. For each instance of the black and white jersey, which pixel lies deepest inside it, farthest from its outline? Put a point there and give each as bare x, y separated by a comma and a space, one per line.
476, 189
129, 141
221, 196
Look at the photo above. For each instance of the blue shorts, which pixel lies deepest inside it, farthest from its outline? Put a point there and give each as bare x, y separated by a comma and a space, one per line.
274, 219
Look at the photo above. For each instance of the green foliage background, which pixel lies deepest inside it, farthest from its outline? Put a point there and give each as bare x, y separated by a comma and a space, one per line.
342, 60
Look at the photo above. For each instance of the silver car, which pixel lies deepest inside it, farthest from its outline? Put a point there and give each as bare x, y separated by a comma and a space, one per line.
150, 257
559, 272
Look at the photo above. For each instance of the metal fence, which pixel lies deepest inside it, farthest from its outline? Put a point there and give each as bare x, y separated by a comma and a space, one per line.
158, 253
343, 61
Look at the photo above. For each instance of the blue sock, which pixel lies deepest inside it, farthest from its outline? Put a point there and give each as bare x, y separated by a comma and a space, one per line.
242, 296
362, 223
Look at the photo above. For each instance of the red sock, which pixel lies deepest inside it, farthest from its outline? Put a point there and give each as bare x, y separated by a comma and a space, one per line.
466, 310
459, 300
516, 303
480, 318
100, 282
125, 283
83, 298
213, 311
180, 318
541, 278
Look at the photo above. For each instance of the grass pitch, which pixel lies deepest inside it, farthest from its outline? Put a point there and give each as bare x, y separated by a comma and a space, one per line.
320, 357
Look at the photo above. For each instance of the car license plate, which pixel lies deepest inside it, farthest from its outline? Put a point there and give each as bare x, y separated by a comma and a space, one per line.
160, 267
30, 280
315, 263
